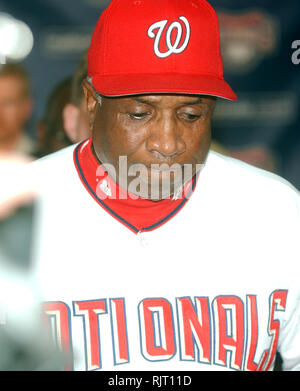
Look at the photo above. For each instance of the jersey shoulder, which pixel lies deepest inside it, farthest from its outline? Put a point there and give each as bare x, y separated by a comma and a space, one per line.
62, 158
54, 171
238, 179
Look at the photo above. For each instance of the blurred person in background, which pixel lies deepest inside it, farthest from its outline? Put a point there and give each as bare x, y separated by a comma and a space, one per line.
24, 338
16, 107
51, 135
65, 121
16, 150
75, 115
24, 342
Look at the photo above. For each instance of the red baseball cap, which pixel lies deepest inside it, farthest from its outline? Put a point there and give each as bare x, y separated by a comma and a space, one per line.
157, 46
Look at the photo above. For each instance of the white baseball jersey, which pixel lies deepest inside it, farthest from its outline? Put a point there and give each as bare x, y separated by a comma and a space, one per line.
213, 284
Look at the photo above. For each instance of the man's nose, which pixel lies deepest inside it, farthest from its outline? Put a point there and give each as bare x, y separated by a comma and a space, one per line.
165, 137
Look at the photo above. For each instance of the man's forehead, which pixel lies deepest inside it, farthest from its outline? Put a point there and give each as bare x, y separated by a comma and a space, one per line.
156, 99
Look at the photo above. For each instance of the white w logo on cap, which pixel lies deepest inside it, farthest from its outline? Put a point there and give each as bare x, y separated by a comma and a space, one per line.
173, 48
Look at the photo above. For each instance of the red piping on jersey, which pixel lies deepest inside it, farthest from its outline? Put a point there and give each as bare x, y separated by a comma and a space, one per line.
136, 214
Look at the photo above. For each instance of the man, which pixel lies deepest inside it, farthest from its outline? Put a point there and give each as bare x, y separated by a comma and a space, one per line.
15, 110
152, 252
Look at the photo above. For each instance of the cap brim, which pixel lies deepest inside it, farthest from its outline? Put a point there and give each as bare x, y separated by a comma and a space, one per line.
132, 84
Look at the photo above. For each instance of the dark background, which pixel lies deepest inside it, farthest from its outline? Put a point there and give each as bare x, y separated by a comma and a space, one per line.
257, 49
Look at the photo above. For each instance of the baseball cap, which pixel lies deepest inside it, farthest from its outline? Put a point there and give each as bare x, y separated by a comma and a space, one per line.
157, 46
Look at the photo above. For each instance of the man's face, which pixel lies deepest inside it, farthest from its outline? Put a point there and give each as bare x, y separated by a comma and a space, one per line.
15, 106
162, 130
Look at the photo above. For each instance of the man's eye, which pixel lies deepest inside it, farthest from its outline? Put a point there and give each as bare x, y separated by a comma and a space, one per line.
191, 117
138, 115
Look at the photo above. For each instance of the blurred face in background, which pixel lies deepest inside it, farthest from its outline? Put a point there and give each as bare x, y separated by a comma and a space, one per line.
76, 122
15, 106
75, 115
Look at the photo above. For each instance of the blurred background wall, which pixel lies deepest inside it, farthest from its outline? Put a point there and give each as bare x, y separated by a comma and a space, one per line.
259, 46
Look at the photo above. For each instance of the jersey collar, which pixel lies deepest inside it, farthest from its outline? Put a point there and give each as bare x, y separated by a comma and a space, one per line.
139, 215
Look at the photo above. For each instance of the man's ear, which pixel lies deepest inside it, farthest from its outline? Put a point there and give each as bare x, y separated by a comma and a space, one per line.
91, 102
70, 118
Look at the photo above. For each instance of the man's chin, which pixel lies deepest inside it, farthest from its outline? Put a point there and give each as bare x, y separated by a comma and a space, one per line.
155, 184
158, 196
156, 192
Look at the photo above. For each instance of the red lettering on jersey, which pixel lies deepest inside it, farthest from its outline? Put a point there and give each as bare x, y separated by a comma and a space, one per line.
229, 330
277, 303
252, 333
119, 330
90, 310
262, 360
157, 332
194, 326
61, 312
